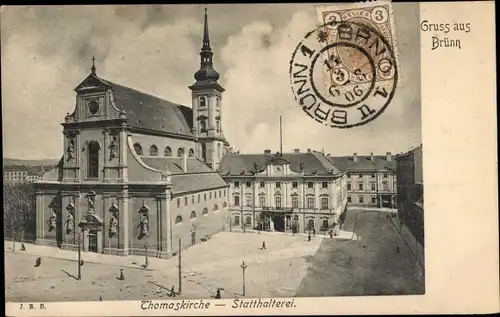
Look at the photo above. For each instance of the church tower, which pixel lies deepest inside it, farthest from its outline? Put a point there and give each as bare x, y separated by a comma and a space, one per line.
207, 107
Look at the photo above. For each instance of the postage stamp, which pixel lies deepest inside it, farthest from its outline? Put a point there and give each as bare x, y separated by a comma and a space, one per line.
345, 72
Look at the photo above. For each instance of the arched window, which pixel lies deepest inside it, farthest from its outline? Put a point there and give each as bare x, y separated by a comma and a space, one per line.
168, 151
153, 150
205, 211
192, 215
216, 207
180, 152
217, 125
138, 149
224, 205
191, 153
203, 126
178, 219
203, 102
219, 150
93, 159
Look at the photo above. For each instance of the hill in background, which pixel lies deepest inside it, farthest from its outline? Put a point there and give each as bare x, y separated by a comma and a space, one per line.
10, 162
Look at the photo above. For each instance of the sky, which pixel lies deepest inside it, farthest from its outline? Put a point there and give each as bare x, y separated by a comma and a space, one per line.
47, 51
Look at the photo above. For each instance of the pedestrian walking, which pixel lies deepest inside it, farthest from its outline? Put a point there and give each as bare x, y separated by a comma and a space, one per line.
23, 248
331, 233
100, 298
314, 231
172, 291
217, 294
309, 237
397, 250
263, 245
38, 262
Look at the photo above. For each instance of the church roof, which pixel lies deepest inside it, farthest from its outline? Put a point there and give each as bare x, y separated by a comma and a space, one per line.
363, 163
244, 164
150, 112
142, 110
174, 165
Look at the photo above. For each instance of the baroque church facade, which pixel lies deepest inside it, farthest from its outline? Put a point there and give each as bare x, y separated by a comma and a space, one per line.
138, 172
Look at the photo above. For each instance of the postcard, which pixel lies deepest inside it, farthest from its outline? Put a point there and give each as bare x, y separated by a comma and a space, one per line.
250, 159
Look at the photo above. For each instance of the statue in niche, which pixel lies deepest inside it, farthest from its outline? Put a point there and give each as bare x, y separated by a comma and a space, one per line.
144, 227
91, 203
52, 221
71, 149
70, 223
113, 148
113, 226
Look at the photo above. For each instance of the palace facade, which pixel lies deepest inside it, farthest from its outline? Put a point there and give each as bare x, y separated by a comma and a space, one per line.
371, 179
287, 192
138, 172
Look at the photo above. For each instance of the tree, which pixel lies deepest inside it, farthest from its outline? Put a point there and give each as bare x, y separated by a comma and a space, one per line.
19, 209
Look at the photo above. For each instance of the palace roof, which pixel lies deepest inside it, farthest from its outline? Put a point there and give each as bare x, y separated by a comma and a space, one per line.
245, 164
363, 163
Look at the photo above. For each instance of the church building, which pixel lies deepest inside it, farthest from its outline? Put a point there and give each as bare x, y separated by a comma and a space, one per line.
138, 172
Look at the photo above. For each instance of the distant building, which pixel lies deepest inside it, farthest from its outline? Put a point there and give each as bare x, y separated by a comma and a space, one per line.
411, 191
20, 174
14, 174
371, 180
284, 192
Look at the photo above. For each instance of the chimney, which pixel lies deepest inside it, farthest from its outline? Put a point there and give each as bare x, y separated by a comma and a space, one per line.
296, 151
184, 161
389, 156
355, 157
371, 156
267, 151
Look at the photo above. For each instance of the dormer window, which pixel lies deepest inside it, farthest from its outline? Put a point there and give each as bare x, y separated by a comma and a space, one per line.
203, 102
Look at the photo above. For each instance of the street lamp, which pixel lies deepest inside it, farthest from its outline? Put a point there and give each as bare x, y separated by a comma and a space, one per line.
146, 260
243, 267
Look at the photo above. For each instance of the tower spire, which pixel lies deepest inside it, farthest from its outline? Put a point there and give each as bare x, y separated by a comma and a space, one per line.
206, 36
93, 69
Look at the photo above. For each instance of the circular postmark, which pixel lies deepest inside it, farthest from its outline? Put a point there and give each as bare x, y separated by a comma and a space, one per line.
344, 74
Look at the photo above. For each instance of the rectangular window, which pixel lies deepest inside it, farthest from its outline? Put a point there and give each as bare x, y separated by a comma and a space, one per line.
295, 202
348, 175
324, 202
324, 226
224, 193
248, 221
278, 202
220, 193
360, 186
295, 184
324, 185
373, 175
185, 201
210, 195
249, 200
360, 199
178, 202
236, 184
205, 196
349, 199
198, 198
310, 202
236, 220
310, 224
372, 186
278, 185
192, 199
385, 176
249, 184
360, 175
348, 186
310, 185
262, 184
385, 186
236, 200
262, 200
374, 200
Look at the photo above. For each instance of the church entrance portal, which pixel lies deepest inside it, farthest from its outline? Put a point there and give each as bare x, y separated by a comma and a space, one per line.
92, 241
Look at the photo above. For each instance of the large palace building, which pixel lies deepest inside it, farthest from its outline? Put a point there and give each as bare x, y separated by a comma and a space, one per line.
138, 172
287, 192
